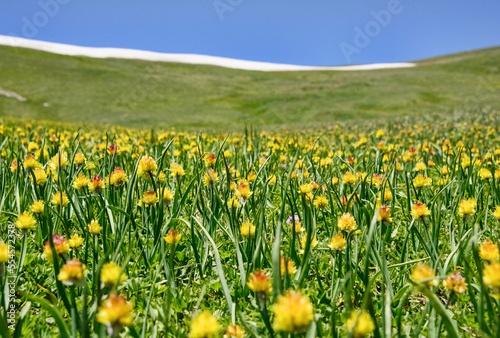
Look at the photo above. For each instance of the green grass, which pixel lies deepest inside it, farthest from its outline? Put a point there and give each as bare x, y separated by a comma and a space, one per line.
418, 271
141, 94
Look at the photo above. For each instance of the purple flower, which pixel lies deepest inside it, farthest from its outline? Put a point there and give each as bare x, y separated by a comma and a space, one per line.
290, 218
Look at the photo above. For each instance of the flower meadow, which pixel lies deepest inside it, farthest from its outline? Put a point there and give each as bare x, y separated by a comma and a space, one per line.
372, 229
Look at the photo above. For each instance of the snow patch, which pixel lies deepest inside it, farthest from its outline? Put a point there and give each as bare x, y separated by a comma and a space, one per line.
12, 95
120, 53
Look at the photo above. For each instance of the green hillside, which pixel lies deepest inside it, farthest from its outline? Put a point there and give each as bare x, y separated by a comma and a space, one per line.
141, 94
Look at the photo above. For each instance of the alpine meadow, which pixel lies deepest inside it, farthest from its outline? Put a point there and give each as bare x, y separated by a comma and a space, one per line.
148, 199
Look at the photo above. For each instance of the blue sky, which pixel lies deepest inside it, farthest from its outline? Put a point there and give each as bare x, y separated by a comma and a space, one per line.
306, 32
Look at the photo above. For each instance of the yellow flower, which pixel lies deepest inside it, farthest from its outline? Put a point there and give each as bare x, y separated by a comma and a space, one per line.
118, 177
4, 252
94, 227
259, 282
295, 224
204, 325
361, 176
161, 177
485, 174
303, 243
96, 184
293, 312
489, 251
251, 177
243, 192
442, 182
420, 210
60, 244
111, 275
377, 179
381, 146
467, 208
272, 180
177, 170
13, 166
234, 331
60, 199
147, 168
422, 272
360, 323
210, 177
60, 160
384, 214
37, 207
75, 241
168, 196
362, 141
113, 149
233, 202
455, 283
209, 160
421, 181
335, 181
72, 273
305, 188
387, 196
79, 159
420, 166
40, 176
25, 221
30, 163
115, 313
320, 202
337, 242
347, 222
491, 276
32, 146
247, 229
80, 182
349, 178
231, 172
496, 213
150, 198
173, 236
287, 266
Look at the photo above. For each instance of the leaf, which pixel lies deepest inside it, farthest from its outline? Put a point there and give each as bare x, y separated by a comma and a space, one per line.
450, 324
220, 271
54, 312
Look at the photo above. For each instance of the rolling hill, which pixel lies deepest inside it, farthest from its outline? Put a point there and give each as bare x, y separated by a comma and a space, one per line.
138, 93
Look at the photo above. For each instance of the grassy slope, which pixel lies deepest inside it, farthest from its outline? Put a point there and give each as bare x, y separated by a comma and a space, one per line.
141, 94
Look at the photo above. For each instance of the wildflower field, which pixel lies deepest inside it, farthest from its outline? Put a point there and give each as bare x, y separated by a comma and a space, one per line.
372, 229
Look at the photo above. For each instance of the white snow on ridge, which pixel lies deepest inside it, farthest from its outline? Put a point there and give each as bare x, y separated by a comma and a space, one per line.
120, 53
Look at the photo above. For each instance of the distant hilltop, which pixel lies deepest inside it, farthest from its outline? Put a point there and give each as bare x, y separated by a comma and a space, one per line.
121, 53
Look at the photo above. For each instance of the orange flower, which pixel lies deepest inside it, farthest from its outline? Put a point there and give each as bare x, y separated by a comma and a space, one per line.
60, 244
259, 282
96, 184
